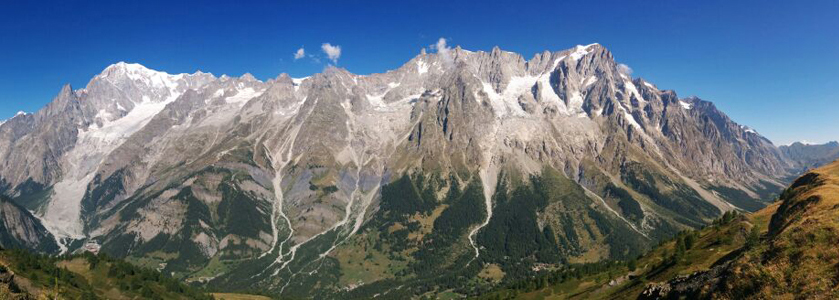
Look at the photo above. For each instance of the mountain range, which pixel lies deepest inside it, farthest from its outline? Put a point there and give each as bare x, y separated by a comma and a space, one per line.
453, 172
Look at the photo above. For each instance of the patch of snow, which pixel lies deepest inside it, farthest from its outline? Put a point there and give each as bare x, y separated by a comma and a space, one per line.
548, 94
631, 119
243, 96
649, 85
422, 67
376, 101
630, 87
220, 115
590, 80
685, 105
748, 129
507, 102
122, 128
556, 62
575, 104
218, 93
393, 84
581, 51
298, 81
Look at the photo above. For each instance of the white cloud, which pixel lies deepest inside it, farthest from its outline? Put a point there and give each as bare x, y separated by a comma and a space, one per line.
624, 69
332, 52
444, 51
299, 54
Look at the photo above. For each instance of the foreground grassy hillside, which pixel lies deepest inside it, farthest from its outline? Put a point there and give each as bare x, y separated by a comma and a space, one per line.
786, 250
799, 257
24, 275
687, 253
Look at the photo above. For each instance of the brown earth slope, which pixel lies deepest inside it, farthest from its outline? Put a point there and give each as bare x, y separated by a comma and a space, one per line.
800, 258
797, 258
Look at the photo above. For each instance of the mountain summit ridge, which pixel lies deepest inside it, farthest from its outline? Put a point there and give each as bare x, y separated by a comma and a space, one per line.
192, 172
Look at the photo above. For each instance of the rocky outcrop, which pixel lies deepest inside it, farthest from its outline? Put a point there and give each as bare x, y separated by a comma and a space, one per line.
688, 286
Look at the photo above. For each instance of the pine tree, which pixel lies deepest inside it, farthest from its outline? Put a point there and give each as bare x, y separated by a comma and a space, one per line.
690, 240
680, 248
753, 238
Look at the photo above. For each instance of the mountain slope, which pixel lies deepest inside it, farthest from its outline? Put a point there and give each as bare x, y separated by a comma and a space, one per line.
20, 229
798, 257
794, 258
428, 169
669, 270
785, 250
808, 156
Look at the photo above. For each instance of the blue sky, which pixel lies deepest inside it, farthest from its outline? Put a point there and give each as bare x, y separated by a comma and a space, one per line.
770, 65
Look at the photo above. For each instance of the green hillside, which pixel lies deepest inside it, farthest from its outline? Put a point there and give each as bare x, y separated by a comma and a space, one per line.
687, 253
786, 250
24, 275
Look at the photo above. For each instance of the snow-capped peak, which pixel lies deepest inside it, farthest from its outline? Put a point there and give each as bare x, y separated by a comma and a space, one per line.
747, 129
139, 73
299, 81
581, 51
130, 69
19, 113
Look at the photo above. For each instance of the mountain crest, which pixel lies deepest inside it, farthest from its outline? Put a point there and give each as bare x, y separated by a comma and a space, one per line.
299, 172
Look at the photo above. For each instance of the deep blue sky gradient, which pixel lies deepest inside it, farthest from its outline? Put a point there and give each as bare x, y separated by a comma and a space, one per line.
770, 65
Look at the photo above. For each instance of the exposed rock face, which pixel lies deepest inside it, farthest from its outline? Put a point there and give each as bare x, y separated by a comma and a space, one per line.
690, 286
276, 177
8, 288
19, 229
